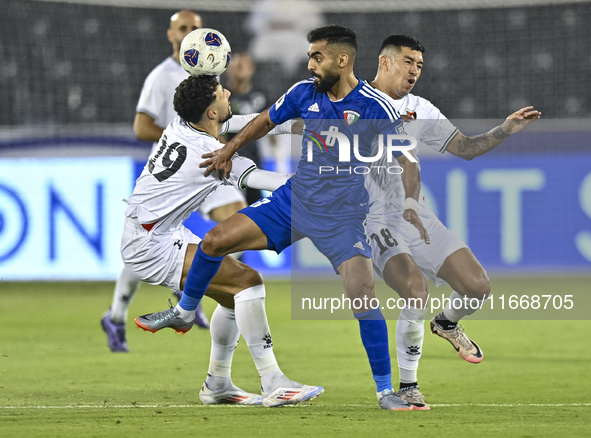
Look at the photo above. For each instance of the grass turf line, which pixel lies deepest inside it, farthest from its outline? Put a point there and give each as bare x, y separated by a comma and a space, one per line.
53, 353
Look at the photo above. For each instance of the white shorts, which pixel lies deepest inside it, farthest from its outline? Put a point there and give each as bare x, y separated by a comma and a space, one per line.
391, 234
223, 195
156, 259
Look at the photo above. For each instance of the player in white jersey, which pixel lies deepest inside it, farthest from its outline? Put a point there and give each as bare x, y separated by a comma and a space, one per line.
153, 113
400, 255
159, 249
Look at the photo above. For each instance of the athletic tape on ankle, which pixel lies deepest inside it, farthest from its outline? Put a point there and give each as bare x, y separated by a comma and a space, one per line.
252, 293
266, 364
411, 314
220, 368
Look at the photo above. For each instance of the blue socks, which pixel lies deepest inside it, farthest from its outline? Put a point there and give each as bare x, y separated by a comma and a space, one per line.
202, 270
374, 335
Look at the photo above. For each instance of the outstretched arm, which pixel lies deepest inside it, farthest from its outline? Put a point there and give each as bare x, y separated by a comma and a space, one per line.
264, 180
237, 122
411, 180
221, 160
472, 147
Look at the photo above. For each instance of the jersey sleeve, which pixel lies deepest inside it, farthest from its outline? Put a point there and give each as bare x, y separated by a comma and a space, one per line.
236, 123
241, 167
288, 106
437, 131
151, 101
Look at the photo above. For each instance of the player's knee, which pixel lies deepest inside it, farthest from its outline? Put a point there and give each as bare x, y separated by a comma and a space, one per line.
245, 277
478, 286
411, 287
215, 243
417, 290
251, 277
359, 288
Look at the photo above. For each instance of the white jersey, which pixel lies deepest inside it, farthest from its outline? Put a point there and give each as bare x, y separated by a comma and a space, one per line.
157, 101
172, 185
431, 128
156, 98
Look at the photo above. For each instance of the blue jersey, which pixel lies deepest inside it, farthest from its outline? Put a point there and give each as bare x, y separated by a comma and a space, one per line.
364, 113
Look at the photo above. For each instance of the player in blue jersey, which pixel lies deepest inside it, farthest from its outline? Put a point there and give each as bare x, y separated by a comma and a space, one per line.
319, 202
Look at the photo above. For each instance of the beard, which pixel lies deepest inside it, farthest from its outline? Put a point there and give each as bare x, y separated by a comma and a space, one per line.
227, 117
326, 83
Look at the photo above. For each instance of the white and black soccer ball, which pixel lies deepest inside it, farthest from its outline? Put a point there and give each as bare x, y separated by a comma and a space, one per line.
205, 52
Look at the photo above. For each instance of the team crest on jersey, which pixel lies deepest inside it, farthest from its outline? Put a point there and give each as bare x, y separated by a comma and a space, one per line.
411, 114
350, 116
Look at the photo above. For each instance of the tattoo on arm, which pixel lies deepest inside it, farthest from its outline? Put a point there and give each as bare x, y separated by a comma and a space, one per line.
471, 147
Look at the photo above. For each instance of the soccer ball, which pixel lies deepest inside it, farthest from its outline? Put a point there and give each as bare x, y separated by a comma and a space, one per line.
205, 52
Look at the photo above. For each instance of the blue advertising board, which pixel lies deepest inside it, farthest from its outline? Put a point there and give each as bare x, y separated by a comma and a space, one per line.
517, 213
62, 218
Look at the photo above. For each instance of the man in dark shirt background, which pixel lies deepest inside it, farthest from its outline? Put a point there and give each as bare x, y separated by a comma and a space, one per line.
245, 100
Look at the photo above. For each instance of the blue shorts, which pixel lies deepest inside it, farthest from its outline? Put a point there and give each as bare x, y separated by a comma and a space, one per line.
285, 220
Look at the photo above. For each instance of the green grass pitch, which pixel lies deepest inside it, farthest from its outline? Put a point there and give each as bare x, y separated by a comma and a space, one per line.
58, 378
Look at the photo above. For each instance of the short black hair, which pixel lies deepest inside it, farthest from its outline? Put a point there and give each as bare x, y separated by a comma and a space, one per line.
334, 34
403, 41
193, 96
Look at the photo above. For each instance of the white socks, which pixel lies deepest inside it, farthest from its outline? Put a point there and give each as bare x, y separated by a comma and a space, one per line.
125, 288
224, 338
186, 315
248, 319
410, 331
460, 306
251, 320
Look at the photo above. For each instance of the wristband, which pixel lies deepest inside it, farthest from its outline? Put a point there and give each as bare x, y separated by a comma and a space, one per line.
412, 204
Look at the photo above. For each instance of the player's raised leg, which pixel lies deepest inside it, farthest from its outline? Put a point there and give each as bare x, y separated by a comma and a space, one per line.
358, 280
237, 233
237, 281
471, 288
217, 214
201, 268
403, 275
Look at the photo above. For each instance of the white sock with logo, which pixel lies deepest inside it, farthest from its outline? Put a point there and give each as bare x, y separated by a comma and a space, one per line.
251, 319
125, 288
224, 338
460, 306
410, 332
